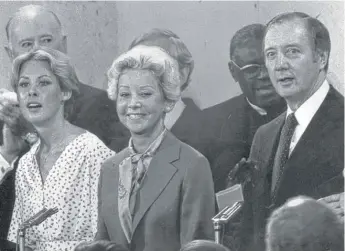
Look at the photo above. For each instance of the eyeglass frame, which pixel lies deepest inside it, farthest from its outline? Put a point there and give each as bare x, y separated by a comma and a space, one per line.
260, 67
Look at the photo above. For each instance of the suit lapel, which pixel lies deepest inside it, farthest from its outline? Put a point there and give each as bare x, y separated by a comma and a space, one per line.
158, 175
323, 122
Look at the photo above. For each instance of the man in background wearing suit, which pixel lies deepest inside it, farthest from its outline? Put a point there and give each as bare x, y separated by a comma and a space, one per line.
33, 26
301, 152
233, 123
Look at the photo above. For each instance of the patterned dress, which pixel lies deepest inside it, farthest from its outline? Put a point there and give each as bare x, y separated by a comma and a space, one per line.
71, 186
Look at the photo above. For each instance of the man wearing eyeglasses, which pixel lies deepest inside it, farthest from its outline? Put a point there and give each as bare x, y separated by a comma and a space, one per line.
233, 123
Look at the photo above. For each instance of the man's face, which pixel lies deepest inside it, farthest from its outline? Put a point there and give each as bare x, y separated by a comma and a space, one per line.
291, 60
254, 81
34, 30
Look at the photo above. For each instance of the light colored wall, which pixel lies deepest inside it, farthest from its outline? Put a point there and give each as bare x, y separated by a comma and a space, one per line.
100, 31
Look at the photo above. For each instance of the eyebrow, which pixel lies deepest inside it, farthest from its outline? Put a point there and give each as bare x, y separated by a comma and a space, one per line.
32, 38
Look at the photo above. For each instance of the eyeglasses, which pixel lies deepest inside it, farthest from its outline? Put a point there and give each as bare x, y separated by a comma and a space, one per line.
250, 70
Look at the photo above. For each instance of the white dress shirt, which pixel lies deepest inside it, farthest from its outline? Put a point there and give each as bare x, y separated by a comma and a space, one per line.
306, 112
5, 167
260, 110
172, 116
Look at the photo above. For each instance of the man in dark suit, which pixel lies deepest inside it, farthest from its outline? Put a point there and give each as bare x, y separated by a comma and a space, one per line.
33, 26
231, 125
301, 152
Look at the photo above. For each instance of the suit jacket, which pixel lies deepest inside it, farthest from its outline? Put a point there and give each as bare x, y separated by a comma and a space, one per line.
176, 200
91, 110
314, 168
229, 128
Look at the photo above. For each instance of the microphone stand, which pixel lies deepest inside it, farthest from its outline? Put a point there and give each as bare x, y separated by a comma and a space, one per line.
33, 221
224, 217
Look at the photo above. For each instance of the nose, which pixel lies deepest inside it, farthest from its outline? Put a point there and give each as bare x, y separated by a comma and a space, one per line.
134, 102
36, 46
33, 91
263, 74
281, 62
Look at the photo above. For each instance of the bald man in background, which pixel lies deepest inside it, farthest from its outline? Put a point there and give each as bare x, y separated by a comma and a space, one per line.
31, 27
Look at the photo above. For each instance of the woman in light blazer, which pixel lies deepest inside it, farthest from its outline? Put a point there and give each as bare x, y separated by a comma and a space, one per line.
157, 194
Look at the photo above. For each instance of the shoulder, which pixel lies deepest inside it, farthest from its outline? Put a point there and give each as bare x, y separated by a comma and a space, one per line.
93, 145
230, 104
115, 160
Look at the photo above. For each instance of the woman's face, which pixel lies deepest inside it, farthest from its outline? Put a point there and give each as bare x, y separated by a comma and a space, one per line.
39, 93
140, 102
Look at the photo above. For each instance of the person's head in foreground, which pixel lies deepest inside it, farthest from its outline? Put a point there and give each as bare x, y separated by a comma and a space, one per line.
100, 246
296, 49
203, 245
145, 83
174, 46
304, 224
44, 81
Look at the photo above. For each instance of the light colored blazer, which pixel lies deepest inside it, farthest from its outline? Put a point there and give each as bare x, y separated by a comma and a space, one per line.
177, 200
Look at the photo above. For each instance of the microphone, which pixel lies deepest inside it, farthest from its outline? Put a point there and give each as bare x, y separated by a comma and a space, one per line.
227, 213
39, 217
224, 217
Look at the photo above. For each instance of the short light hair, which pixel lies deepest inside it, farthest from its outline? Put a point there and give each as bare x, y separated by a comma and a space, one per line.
203, 245
153, 59
304, 224
317, 30
172, 44
247, 33
59, 64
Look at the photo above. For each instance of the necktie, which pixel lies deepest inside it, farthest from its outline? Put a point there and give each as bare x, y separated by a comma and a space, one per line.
282, 154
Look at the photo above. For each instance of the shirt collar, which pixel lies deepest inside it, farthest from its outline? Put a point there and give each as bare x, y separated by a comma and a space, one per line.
260, 110
307, 110
152, 147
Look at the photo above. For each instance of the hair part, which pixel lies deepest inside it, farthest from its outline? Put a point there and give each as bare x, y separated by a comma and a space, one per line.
318, 32
172, 44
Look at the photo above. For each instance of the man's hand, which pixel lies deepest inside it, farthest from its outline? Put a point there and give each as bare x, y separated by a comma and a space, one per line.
336, 202
245, 172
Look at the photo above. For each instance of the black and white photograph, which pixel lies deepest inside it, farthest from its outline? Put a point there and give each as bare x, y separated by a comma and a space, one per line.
172, 125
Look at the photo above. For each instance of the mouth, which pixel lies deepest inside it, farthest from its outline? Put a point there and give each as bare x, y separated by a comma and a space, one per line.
285, 80
33, 106
135, 116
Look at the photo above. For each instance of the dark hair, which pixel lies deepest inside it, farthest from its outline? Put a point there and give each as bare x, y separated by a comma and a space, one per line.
304, 224
23, 9
172, 44
317, 30
101, 245
203, 245
245, 34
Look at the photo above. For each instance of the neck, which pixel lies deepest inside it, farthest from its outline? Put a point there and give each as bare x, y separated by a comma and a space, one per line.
143, 141
52, 132
295, 102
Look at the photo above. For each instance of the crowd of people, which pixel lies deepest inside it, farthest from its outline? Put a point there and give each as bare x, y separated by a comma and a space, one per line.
137, 167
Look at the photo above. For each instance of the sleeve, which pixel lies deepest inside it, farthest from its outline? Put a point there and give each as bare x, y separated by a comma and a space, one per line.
97, 158
17, 215
198, 203
102, 233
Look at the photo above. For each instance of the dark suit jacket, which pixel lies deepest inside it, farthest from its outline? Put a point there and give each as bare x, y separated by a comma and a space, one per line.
176, 200
229, 128
314, 168
91, 110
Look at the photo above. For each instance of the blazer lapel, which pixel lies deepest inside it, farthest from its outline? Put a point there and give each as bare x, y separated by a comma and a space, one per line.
158, 175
